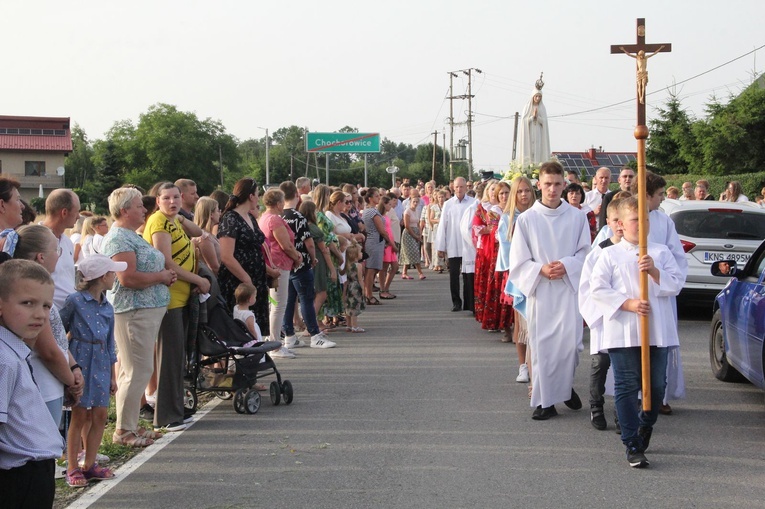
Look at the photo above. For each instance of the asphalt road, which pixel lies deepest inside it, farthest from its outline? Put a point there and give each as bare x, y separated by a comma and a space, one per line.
423, 411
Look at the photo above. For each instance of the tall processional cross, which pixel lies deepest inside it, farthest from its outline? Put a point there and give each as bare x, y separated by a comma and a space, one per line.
641, 52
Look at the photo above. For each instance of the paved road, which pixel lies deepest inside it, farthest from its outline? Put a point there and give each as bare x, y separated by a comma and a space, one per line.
423, 411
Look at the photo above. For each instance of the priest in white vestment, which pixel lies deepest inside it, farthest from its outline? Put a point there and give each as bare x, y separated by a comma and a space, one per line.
449, 242
550, 243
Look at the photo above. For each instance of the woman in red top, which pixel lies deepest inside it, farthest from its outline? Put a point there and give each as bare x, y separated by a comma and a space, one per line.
283, 257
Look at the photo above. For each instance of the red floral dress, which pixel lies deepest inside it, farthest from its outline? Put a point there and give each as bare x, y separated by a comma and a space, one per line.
485, 257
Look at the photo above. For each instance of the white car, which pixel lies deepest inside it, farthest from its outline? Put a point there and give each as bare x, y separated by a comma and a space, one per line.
711, 231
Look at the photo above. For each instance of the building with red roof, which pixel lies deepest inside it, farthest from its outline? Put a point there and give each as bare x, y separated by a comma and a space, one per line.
33, 151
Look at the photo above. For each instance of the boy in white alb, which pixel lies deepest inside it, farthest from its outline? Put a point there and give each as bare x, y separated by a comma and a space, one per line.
614, 287
600, 361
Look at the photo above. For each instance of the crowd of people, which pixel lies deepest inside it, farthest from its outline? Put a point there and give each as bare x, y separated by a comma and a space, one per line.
116, 321
515, 262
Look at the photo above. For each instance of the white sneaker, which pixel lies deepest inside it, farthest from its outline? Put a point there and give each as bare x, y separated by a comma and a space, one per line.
523, 374
282, 353
321, 341
295, 342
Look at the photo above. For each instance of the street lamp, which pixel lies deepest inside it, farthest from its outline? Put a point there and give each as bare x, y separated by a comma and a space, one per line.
267, 144
392, 169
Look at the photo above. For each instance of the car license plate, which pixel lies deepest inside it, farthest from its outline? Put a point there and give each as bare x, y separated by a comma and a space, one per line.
716, 256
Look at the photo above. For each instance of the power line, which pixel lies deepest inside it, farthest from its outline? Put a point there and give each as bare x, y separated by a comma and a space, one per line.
661, 89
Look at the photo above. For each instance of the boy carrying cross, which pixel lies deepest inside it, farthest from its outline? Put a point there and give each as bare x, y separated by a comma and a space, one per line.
615, 290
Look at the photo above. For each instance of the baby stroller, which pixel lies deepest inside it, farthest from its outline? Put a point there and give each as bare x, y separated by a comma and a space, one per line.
218, 348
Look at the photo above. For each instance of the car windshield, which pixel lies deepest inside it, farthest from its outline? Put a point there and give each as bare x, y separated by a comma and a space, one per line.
719, 224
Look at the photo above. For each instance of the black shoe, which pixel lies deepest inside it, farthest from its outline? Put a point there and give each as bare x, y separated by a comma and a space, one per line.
636, 458
542, 414
146, 413
574, 403
645, 435
597, 418
457, 307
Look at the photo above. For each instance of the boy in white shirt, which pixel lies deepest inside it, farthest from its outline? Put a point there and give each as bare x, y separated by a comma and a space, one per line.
614, 287
601, 362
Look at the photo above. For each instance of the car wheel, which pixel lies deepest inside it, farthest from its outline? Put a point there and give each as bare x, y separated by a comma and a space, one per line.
720, 367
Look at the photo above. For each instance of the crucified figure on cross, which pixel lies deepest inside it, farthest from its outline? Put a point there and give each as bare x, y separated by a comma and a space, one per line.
641, 61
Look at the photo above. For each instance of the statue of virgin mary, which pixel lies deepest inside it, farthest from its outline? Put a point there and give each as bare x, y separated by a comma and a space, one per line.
533, 146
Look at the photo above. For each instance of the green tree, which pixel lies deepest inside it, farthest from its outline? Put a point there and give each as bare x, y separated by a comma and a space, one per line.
732, 138
108, 178
79, 163
168, 144
671, 138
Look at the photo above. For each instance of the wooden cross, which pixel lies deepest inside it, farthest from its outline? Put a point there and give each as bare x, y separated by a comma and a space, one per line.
640, 52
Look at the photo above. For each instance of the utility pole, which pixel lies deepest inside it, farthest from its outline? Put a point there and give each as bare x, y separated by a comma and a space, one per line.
515, 135
435, 146
451, 124
267, 158
443, 152
469, 96
267, 144
220, 159
469, 73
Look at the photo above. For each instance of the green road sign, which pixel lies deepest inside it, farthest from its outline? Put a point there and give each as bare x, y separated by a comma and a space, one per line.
343, 142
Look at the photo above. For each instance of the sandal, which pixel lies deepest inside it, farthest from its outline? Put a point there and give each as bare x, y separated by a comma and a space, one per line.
76, 479
422, 276
387, 295
371, 301
98, 473
131, 439
404, 276
259, 387
146, 433
357, 330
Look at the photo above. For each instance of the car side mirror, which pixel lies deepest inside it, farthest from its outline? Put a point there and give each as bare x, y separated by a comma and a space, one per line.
724, 268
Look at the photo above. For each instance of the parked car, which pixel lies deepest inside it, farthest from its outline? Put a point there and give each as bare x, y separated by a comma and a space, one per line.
738, 326
710, 231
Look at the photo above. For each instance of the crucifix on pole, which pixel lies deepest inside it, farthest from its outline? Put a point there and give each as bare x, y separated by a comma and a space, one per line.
641, 52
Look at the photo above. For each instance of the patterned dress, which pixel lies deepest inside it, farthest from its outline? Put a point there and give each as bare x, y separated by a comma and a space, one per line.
333, 306
248, 251
486, 255
410, 248
91, 326
353, 298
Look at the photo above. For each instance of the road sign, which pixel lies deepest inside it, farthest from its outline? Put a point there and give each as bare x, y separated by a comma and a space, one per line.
343, 142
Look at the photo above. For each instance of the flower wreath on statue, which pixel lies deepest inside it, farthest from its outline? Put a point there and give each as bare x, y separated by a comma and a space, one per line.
517, 169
